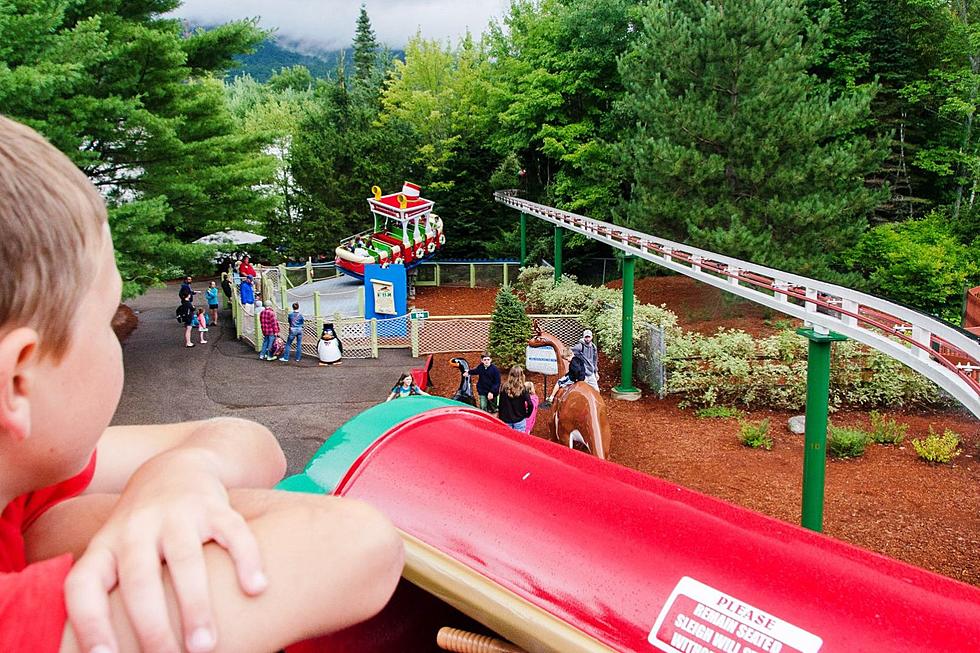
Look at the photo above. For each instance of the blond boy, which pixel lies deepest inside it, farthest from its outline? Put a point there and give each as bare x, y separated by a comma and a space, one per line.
176, 546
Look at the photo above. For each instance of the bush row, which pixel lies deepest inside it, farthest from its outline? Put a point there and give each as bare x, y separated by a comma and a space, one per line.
601, 308
732, 367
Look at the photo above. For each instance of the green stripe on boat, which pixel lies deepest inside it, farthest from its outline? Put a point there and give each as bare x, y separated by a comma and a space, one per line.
339, 453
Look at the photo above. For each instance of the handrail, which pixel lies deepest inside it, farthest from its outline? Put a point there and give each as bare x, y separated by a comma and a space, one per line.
899, 332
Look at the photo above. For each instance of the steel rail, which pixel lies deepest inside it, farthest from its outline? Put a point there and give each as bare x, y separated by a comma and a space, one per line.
928, 348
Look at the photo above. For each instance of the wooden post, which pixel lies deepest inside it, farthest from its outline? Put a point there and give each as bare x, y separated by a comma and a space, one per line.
258, 329
416, 325
316, 314
374, 337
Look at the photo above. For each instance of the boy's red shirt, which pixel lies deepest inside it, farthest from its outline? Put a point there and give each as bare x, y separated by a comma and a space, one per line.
32, 604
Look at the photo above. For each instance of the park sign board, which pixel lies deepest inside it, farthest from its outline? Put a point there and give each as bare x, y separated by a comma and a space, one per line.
541, 359
384, 297
418, 314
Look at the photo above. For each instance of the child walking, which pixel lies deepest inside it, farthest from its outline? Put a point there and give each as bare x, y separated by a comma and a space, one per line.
535, 400
201, 321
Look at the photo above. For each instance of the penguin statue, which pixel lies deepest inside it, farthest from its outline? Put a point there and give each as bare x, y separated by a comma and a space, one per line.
330, 349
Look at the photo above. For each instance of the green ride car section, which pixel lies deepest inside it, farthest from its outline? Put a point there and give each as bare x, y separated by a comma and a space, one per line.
338, 454
380, 246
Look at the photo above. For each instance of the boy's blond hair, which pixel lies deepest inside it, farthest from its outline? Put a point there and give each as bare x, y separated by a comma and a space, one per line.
50, 214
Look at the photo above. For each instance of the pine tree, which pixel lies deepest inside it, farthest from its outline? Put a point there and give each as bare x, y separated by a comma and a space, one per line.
736, 147
510, 329
131, 97
365, 49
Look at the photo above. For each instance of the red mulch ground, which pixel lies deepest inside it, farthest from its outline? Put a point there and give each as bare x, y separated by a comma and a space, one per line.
887, 501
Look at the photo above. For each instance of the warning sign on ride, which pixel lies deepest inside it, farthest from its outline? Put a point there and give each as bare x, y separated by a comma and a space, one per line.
700, 619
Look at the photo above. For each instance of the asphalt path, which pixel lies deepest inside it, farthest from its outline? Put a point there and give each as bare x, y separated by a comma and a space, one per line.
302, 403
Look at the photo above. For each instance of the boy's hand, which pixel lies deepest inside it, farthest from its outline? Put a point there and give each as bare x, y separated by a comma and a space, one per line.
172, 506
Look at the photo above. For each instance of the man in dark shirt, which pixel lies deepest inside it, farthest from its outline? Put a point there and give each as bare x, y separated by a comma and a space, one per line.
186, 292
488, 387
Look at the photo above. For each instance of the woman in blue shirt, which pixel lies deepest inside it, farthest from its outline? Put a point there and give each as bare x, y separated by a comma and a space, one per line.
211, 295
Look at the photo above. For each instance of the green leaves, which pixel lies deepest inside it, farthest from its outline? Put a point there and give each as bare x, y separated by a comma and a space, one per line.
734, 145
130, 99
919, 263
510, 329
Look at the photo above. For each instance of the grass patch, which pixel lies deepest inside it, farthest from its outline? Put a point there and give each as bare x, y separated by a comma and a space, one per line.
885, 430
845, 442
718, 412
935, 448
756, 435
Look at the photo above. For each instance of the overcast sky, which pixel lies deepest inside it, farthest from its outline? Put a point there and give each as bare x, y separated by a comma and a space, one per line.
330, 23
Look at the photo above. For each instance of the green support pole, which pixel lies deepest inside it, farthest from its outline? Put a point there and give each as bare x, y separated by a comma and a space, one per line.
558, 236
523, 239
626, 390
815, 449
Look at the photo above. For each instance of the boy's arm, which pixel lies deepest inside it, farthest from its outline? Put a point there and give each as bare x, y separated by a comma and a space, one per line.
244, 453
331, 563
174, 481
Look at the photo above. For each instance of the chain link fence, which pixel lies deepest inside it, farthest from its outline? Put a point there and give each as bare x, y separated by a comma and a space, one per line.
448, 334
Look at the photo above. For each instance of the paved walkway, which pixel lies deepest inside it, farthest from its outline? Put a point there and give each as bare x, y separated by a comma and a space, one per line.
302, 403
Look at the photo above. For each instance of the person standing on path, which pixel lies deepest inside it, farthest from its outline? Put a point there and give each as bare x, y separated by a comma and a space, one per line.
270, 329
535, 400
587, 351
211, 295
296, 321
186, 313
201, 322
247, 291
186, 290
488, 387
515, 402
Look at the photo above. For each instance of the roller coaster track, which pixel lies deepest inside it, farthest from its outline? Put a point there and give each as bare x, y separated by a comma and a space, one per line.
942, 353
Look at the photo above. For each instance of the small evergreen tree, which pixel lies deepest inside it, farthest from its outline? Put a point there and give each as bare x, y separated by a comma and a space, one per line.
510, 329
365, 48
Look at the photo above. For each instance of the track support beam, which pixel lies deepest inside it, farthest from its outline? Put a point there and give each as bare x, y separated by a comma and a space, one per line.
815, 449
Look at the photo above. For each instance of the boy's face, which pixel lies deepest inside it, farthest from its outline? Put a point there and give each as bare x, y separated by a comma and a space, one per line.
74, 398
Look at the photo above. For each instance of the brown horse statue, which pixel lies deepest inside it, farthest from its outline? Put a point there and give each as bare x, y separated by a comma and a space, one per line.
579, 413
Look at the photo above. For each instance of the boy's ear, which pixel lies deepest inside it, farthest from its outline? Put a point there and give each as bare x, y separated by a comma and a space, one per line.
18, 358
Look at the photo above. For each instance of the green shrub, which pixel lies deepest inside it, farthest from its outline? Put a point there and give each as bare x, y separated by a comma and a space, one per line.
510, 329
886, 431
756, 434
601, 308
920, 263
732, 367
845, 442
935, 448
718, 412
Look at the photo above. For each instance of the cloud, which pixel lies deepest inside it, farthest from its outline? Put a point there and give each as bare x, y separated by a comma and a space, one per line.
329, 24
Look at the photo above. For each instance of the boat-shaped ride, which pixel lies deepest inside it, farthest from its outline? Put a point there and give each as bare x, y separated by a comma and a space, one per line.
406, 232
